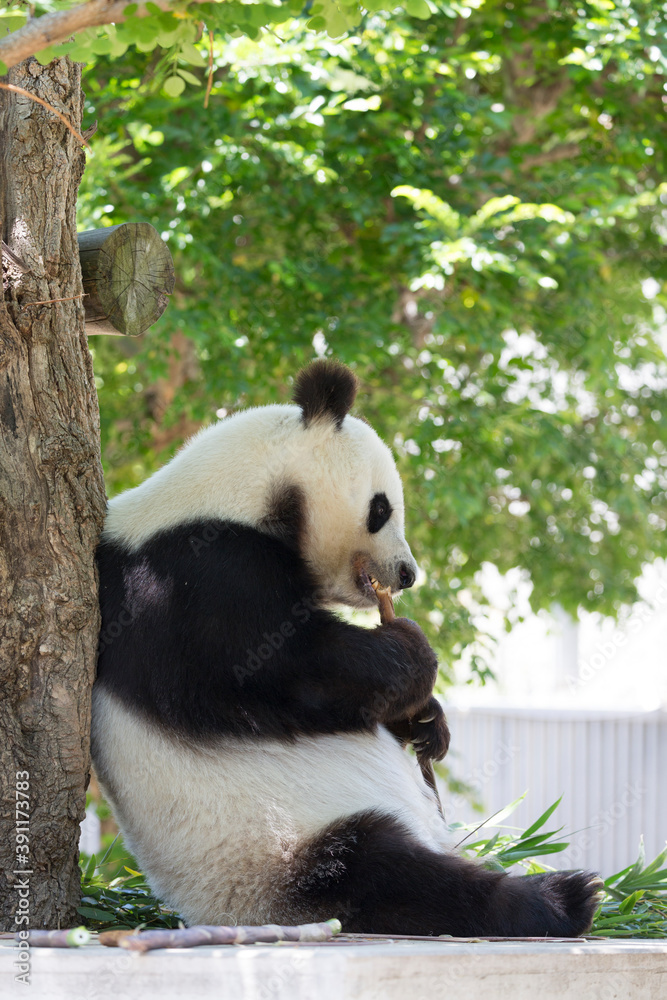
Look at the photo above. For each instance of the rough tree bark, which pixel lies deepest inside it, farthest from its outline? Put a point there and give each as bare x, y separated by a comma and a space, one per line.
51, 497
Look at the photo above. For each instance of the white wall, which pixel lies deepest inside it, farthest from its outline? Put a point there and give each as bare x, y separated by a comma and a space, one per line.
609, 766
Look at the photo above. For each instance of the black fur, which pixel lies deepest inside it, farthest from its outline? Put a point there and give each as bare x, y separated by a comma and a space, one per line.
213, 628
377, 878
285, 515
379, 512
325, 389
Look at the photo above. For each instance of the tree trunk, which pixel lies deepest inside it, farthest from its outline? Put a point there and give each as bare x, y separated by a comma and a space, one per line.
51, 503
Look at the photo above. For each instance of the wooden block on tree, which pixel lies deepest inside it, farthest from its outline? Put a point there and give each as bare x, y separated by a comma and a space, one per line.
128, 276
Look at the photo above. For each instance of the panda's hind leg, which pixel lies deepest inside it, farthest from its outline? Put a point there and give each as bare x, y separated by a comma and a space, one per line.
372, 874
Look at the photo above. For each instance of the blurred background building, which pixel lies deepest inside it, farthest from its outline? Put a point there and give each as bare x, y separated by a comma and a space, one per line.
578, 710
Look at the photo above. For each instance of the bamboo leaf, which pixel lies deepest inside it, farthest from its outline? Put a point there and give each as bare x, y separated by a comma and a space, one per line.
542, 820
628, 904
94, 913
489, 845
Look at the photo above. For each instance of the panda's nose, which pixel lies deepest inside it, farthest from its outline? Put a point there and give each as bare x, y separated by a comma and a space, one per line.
406, 576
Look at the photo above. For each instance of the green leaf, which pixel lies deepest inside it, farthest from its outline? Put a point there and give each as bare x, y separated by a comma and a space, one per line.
493, 864
192, 54
542, 820
146, 44
80, 52
490, 208
628, 905
505, 812
11, 21
637, 867
173, 86
190, 77
94, 913
427, 201
490, 844
118, 47
417, 8
513, 855
534, 842
337, 23
45, 56
101, 46
656, 864
178, 175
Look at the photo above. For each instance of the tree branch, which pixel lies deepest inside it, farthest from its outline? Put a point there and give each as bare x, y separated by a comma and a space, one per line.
41, 32
564, 152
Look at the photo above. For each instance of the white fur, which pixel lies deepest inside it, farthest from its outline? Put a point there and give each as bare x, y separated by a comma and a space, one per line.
229, 471
215, 828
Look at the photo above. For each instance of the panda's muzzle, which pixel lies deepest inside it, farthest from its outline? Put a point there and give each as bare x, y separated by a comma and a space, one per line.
367, 574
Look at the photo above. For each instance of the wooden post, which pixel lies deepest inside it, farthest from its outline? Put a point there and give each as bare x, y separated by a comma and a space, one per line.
128, 276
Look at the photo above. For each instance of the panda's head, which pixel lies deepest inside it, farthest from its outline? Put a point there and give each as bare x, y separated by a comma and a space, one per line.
352, 529
308, 473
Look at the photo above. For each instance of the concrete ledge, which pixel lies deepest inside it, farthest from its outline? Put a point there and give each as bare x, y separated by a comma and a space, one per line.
413, 970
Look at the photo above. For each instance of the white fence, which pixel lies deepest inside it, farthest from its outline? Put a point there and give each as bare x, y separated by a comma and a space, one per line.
609, 766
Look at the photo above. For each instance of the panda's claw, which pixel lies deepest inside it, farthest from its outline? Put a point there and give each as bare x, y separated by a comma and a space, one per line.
568, 901
430, 734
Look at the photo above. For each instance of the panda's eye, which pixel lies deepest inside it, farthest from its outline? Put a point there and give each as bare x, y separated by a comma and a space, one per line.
379, 512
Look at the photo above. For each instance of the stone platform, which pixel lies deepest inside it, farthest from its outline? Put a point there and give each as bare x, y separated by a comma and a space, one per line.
387, 970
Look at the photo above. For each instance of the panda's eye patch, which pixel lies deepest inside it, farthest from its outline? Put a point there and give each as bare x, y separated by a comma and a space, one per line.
379, 512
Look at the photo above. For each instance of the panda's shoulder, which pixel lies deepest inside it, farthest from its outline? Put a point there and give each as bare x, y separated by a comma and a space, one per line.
208, 554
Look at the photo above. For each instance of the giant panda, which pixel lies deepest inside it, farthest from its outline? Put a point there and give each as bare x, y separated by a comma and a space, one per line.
251, 741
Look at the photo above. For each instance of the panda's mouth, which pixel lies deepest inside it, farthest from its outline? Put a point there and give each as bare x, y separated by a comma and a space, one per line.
366, 582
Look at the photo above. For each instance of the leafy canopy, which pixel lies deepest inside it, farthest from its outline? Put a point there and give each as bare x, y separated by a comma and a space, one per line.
469, 209
79, 29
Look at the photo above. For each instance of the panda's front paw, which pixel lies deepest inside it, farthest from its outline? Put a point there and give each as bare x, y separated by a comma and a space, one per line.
429, 732
417, 653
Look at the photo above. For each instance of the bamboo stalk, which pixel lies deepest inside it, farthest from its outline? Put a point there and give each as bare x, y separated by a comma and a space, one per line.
72, 938
193, 937
388, 614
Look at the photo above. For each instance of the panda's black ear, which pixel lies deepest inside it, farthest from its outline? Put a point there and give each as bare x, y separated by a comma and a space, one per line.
325, 389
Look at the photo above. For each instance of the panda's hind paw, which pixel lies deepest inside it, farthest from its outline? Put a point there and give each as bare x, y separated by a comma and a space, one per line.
569, 899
